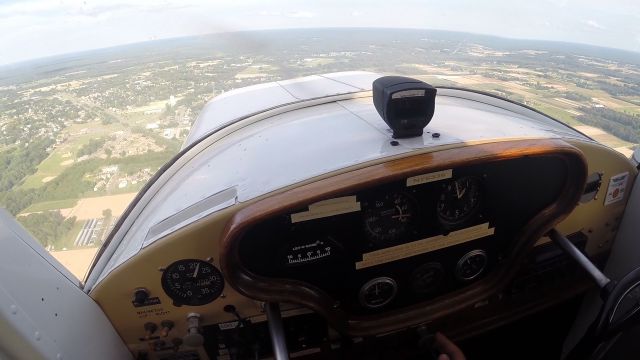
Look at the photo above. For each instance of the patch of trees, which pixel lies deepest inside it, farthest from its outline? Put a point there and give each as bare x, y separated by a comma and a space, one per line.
48, 227
153, 160
168, 111
574, 96
624, 126
619, 90
540, 86
91, 147
584, 84
19, 162
108, 119
69, 184
172, 145
17, 200
72, 184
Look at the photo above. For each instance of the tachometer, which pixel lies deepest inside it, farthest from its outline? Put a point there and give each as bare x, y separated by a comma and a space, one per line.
459, 200
388, 217
192, 282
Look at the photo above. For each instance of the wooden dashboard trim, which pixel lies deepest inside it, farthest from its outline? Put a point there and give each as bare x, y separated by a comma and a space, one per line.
283, 290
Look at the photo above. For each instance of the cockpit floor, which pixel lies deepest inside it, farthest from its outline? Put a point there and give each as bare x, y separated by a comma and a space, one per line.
535, 337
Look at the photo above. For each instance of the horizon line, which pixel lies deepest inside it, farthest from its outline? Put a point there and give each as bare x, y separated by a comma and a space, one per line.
37, 59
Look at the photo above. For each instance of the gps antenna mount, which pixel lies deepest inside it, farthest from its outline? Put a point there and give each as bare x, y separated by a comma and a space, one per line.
405, 104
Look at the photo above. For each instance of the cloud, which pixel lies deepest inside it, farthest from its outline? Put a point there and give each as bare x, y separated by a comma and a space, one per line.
269, 13
357, 13
28, 8
595, 24
558, 3
88, 8
301, 14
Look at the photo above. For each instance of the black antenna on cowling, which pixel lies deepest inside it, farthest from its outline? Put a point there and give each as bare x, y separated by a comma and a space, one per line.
405, 104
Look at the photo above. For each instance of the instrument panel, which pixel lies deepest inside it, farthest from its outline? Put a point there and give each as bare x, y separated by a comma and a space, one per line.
343, 248
407, 241
349, 257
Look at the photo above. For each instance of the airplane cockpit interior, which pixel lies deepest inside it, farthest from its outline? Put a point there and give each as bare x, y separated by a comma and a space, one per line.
351, 215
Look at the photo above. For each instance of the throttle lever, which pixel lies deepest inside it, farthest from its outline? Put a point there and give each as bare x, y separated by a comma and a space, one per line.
603, 282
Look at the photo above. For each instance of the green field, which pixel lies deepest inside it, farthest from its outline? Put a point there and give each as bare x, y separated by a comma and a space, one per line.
632, 110
134, 118
612, 141
52, 165
51, 205
556, 113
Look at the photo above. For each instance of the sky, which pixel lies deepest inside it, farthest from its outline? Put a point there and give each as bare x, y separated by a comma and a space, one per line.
38, 28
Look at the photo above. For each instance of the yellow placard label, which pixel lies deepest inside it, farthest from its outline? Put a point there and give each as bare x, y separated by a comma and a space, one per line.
327, 208
418, 247
543, 240
427, 178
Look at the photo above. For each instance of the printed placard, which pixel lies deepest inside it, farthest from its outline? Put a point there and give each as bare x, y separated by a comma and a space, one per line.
147, 302
327, 208
431, 177
418, 247
616, 189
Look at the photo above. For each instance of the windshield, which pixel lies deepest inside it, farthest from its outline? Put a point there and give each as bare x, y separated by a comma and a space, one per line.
96, 96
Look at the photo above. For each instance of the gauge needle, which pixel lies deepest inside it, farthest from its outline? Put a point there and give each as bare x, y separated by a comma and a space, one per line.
400, 214
458, 192
195, 273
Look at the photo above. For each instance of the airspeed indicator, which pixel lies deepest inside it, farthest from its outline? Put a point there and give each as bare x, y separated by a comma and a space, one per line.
192, 282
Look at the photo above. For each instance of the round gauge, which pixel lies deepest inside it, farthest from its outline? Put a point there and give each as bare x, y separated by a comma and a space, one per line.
471, 265
192, 282
388, 217
378, 292
427, 277
308, 251
459, 200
